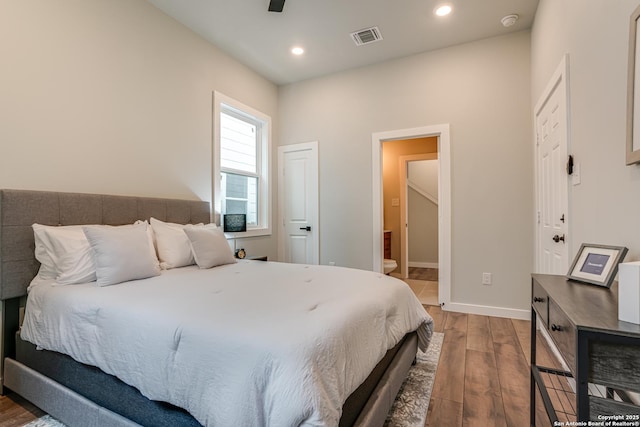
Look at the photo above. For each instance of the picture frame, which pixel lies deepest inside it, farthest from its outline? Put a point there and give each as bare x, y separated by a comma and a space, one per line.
596, 264
633, 91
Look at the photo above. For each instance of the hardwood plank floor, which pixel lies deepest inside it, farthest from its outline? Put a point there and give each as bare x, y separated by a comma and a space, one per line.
16, 411
483, 374
482, 377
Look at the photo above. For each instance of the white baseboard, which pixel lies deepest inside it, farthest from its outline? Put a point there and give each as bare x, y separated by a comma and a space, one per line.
486, 310
423, 264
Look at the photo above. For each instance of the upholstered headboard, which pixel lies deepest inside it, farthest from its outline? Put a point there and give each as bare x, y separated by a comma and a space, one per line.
21, 208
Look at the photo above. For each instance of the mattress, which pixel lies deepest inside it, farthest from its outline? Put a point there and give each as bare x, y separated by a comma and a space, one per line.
110, 393
242, 344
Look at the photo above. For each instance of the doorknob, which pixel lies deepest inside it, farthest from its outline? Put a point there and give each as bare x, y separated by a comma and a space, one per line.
557, 238
308, 228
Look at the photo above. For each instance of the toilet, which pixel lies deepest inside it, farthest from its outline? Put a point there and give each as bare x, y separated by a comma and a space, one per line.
389, 264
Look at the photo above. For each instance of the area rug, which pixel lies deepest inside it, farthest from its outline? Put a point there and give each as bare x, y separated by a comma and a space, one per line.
46, 421
412, 402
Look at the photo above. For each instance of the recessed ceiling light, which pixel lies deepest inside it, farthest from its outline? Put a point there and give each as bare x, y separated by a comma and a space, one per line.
297, 50
443, 10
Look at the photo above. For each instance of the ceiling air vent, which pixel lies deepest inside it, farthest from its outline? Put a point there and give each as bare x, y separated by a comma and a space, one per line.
366, 36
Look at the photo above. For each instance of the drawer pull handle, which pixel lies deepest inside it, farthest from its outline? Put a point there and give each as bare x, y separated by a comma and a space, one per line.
538, 299
555, 327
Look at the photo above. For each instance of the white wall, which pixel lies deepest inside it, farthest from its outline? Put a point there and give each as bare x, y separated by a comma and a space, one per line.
422, 212
482, 90
422, 217
605, 207
112, 96
424, 175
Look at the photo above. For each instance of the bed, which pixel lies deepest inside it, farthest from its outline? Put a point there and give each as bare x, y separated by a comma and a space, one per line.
81, 394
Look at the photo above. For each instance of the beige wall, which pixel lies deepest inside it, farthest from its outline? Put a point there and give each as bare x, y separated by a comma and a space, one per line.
481, 90
391, 153
605, 207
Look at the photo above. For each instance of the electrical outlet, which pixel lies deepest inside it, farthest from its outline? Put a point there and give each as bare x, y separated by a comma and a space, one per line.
486, 278
332, 263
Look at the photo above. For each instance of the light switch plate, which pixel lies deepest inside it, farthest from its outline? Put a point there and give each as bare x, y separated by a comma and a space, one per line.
395, 202
575, 176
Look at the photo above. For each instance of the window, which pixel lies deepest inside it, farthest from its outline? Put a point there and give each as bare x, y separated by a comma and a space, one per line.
241, 163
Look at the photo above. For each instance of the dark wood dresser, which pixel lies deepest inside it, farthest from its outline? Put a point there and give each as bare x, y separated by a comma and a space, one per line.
602, 353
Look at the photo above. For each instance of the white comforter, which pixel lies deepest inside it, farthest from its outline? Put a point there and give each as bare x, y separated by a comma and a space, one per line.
246, 344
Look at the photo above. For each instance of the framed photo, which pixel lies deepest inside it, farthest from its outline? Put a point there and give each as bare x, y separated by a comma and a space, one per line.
633, 91
596, 264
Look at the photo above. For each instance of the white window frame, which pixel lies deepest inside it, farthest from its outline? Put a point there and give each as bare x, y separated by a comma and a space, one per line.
220, 103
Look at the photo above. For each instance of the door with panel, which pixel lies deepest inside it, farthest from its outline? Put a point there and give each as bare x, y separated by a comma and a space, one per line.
551, 129
298, 194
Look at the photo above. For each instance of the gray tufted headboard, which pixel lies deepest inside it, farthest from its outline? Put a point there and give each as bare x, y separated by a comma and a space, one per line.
21, 208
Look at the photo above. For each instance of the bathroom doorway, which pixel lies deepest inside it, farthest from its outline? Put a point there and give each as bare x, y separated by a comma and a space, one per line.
409, 191
419, 242
442, 133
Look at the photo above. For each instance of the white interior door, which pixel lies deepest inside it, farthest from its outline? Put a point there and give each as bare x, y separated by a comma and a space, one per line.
552, 180
298, 194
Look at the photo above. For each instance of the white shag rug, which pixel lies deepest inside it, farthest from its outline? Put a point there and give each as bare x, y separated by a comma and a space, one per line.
412, 402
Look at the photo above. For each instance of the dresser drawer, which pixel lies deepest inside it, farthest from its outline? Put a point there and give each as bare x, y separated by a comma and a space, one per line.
563, 333
540, 302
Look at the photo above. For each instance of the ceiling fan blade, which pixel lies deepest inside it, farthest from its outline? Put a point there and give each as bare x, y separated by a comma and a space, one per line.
276, 5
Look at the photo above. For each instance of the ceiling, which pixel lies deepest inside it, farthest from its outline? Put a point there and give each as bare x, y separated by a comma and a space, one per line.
263, 40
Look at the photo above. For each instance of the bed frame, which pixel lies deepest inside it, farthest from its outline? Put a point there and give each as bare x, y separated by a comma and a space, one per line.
19, 209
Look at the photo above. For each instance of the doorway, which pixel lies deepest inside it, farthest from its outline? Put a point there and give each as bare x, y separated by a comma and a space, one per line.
419, 212
441, 132
419, 215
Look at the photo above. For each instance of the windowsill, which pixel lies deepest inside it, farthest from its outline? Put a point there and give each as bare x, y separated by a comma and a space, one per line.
255, 232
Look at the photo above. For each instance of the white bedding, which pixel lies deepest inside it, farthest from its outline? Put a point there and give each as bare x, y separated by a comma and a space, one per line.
252, 343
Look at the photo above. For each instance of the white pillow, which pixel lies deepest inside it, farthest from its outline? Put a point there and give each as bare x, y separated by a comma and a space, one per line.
152, 240
76, 265
121, 253
64, 254
172, 244
209, 246
42, 252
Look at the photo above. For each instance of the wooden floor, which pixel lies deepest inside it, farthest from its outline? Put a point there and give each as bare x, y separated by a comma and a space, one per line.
483, 373
15, 411
482, 378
